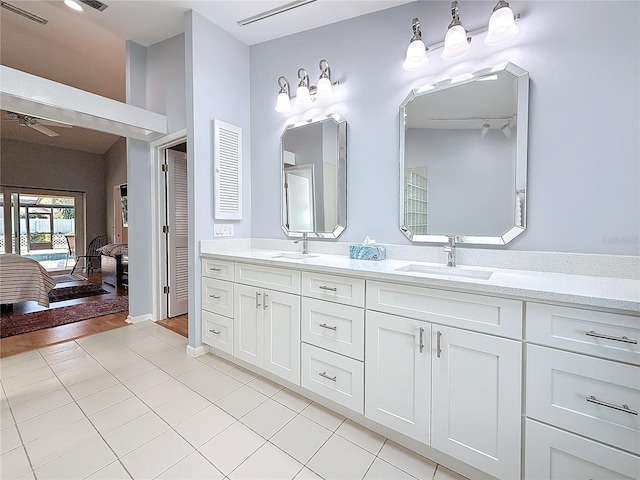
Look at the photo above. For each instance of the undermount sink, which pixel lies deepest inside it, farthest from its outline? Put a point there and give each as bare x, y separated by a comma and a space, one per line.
444, 270
294, 255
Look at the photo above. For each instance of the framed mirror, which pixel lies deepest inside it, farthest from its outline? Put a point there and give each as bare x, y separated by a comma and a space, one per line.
463, 158
314, 177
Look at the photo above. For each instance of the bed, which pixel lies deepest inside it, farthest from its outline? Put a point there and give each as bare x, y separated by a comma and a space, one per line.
23, 279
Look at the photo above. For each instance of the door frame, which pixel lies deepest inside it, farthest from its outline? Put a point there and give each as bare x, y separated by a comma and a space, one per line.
158, 150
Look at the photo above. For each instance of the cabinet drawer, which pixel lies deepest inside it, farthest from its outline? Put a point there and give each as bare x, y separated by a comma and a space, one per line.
349, 291
220, 269
497, 316
585, 395
280, 279
555, 454
339, 328
217, 331
217, 296
333, 376
602, 334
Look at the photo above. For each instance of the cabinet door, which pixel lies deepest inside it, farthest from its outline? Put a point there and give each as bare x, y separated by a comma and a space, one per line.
397, 374
281, 313
248, 328
477, 399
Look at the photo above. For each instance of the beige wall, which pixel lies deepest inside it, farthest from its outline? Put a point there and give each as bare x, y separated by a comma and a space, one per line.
115, 173
25, 164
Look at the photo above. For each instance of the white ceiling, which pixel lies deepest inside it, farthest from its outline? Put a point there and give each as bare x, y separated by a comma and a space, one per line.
87, 50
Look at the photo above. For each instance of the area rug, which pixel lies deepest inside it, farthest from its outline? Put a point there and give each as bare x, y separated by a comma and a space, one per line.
77, 291
28, 322
68, 278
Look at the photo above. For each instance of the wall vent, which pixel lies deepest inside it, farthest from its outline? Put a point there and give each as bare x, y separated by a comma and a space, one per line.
95, 4
227, 159
24, 13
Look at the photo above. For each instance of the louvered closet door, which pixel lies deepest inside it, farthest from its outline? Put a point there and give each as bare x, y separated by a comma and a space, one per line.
177, 217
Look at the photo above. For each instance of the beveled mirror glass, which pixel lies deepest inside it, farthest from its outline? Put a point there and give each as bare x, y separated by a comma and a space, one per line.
463, 158
314, 177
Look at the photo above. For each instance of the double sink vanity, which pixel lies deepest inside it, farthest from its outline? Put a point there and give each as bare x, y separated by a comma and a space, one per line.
492, 372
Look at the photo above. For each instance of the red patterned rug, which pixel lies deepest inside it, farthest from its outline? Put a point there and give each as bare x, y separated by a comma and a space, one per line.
77, 291
29, 322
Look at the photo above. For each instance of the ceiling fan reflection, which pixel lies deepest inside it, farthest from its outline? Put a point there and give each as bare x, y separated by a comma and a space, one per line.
38, 124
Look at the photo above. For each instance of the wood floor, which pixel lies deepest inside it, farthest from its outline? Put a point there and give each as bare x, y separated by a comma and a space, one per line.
50, 336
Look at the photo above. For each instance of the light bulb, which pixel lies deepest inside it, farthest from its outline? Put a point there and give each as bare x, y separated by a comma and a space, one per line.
325, 90
73, 5
455, 43
416, 57
502, 26
303, 97
283, 103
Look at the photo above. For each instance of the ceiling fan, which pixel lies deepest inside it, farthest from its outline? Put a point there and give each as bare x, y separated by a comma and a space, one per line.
38, 124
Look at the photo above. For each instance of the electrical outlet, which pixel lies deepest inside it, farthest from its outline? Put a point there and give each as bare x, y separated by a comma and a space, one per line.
223, 230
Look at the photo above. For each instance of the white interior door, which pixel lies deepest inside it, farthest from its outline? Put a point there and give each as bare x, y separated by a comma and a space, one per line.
177, 238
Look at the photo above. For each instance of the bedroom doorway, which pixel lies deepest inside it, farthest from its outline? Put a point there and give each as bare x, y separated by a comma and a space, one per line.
42, 224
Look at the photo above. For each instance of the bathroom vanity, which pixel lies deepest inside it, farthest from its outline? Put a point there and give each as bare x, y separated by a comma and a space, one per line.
496, 373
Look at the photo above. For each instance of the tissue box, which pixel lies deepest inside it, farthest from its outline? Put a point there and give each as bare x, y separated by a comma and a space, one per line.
367, 252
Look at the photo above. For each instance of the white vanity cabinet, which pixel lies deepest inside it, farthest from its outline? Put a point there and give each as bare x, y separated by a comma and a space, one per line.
583, 393
456, 390
266, 328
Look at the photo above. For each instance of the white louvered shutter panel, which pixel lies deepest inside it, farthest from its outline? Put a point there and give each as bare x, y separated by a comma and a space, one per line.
227, 171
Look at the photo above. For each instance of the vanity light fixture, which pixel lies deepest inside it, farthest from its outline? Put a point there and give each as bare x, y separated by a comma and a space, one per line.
306, 93
456, 42
502, 25
485, 129
416, 57
506, 129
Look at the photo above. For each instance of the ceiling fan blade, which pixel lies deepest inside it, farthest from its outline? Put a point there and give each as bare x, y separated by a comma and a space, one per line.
53, 123
44, 130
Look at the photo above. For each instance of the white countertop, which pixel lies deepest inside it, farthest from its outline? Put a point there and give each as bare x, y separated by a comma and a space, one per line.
580, 290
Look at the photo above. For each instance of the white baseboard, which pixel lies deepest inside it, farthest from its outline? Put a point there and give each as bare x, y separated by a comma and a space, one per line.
198, 351
138, 318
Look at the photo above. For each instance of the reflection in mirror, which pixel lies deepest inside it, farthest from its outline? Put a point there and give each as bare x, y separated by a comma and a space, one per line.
314, 197
463, 157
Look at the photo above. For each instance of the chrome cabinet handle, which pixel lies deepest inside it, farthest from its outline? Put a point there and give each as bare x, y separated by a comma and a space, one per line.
609, 337
213, 269
324, 374
258, 299
624, 408
217, 297
421, 339
215, 332
331, 289
438, 341
328, 327
264, 302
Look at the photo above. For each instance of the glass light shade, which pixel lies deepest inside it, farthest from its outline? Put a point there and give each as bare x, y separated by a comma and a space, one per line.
325, 90
303, 97
283, 103
502, 27
73, 5
455, 43
416, 58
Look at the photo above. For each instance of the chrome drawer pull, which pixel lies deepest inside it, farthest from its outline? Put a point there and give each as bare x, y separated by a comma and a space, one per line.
264, 302
623, 408
421, 339
217, 297
331, 289
609, 337
324, 374
214, 269
215, 332
439, 339
258, 299
328, 327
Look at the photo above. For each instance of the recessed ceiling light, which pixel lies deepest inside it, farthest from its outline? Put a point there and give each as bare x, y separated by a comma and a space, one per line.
73, 5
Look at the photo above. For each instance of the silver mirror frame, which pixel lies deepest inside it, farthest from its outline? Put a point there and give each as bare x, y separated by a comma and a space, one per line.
522, 109
342, 178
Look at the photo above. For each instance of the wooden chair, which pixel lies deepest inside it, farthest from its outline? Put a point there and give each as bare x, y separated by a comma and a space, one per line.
71, 248
91, 254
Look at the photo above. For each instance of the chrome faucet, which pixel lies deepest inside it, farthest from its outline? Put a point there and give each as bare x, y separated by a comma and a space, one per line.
305, 244
450, 248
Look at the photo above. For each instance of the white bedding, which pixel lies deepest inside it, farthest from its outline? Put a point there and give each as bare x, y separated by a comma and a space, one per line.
23, 279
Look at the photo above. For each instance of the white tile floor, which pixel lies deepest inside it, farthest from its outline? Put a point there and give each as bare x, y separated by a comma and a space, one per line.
130, 403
